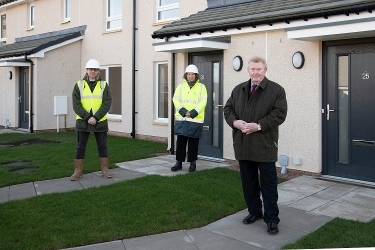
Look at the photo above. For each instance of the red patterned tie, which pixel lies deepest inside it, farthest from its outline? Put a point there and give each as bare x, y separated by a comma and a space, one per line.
253, 89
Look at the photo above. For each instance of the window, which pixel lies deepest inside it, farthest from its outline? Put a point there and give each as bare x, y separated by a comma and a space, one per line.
161, 112
32, 16
167, 10
114, 14
3, 30
66, 10
113, 76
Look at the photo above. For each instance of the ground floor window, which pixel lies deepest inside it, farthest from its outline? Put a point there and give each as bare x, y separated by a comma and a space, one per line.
161, 93
112, 74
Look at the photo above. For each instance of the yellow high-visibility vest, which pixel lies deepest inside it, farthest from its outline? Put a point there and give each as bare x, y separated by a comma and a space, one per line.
191, 98
91, 100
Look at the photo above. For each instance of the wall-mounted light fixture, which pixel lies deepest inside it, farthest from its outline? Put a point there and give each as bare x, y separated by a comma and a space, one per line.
237, 63
298, 60
9, 75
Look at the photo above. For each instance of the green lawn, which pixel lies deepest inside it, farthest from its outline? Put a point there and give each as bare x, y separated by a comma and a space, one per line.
52, 154
143, 206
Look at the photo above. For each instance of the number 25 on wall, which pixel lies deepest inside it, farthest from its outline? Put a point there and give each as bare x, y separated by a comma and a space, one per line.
366, 75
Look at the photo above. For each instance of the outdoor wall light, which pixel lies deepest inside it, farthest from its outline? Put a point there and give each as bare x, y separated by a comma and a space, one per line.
237, 63
298, 60
10, 75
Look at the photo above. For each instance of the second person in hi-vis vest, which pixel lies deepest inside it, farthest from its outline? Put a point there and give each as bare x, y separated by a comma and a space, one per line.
189, 99
91, 102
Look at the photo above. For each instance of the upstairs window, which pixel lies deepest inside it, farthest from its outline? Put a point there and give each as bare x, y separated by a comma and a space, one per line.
114, 14
3, 30
167, 10
66, 10
31, 16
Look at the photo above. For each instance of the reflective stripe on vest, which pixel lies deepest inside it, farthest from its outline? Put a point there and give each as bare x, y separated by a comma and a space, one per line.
91, 100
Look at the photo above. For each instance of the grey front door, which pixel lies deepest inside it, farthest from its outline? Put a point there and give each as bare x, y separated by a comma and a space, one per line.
210, 70
349, 115
23, 99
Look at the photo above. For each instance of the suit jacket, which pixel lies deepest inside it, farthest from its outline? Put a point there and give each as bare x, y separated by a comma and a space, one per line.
268, 107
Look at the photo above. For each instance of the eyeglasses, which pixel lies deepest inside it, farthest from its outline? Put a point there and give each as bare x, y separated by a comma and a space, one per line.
89, 69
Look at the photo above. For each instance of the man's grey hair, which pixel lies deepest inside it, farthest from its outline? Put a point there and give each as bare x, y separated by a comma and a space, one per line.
257, 59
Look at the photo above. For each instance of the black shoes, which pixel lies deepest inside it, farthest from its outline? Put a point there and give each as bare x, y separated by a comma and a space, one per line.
193, 166
272, 228
251, 219
177, 166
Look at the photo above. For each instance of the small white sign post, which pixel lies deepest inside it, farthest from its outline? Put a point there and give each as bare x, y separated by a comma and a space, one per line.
60, 107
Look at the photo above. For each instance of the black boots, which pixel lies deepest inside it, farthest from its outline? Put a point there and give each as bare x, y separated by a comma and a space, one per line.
177, 166
193, 166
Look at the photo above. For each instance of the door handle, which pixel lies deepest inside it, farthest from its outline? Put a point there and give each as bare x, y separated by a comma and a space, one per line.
364, 143
220, 105
329, 110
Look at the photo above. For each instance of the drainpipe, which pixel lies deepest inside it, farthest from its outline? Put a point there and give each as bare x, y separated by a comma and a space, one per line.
173, 83
31, 92
133, 69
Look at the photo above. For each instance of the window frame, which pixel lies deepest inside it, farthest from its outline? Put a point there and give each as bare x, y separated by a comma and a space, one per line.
2, 39
31, 16
66, 10
112, 18
157, 93
160, 8
106, 69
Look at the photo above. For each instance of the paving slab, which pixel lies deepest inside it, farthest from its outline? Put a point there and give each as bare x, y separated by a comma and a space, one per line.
4, 194
171, 240
333, 192
113, 245
56, 186
293, 225
304, 185
207, 240
363, 197
309, 203
346, 211
22, 191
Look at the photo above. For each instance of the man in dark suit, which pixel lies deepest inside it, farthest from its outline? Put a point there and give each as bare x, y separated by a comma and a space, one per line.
255, 110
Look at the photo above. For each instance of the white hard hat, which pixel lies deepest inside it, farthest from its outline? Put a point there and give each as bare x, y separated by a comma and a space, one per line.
92, 64
191, 69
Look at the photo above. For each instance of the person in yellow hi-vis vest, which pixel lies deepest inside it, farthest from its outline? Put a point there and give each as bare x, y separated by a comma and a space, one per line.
190, 100
91, 103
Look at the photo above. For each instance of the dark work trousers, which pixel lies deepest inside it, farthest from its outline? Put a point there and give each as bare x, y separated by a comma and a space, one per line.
268, 188
101, 142
192, 148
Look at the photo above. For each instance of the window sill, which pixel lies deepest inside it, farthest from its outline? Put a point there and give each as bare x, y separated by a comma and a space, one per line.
160, 123
114, 118
65, 21
112, 31
169, 21
31, 28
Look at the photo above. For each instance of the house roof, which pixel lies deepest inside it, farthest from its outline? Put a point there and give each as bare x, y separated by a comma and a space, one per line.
259, 12
3, 2
25, 46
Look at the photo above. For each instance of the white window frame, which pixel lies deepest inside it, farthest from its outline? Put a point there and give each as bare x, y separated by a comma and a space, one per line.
106, 69
2, 39
160, 8
112, 18
156, 95
31, 16
66, 9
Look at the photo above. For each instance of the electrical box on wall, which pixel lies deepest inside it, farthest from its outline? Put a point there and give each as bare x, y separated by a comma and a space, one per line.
61, 105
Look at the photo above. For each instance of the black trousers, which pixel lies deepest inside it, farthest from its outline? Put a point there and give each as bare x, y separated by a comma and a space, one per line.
193, 144
101, 142
268, 187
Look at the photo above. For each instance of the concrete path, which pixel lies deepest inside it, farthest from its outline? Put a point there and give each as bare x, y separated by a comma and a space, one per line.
306, 203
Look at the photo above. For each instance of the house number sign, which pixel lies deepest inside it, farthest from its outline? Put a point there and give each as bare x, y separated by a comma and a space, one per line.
365, 75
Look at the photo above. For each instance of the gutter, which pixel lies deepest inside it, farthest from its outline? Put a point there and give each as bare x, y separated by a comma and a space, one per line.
173, 85
31, 115
270, 21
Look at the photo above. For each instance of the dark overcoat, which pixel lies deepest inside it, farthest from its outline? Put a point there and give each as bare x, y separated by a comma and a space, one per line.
267, 107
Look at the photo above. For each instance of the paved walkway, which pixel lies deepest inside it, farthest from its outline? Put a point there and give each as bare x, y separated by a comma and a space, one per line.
306, 203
